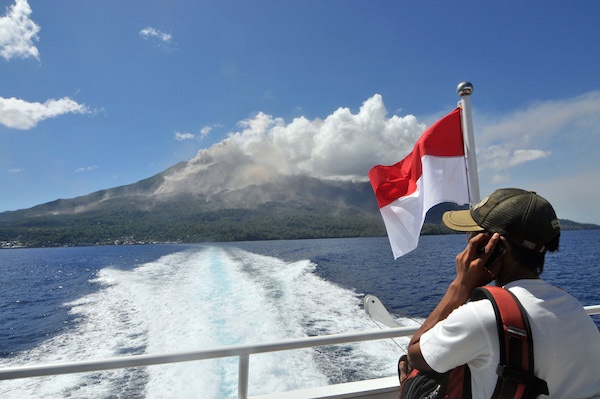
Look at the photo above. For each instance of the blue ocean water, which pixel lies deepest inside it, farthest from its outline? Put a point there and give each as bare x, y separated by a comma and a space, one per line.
67, 304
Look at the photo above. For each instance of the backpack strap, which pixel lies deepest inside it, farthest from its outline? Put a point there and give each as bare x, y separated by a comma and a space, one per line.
515, 371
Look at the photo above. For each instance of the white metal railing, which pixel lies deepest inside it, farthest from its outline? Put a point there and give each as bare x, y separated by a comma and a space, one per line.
241, 351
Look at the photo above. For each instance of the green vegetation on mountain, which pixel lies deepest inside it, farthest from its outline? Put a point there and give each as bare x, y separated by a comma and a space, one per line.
270, 221
289, 207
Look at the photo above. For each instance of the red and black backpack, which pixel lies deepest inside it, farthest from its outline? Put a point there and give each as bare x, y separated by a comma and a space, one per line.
516, 378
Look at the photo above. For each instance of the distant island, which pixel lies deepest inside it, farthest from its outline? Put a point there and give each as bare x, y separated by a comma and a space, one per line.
180, 223
191, 203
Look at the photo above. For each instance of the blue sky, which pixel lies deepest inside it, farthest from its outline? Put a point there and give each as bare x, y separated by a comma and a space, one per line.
98, 94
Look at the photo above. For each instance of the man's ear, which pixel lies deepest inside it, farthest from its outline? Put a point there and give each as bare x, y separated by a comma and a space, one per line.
508, 246
501, 268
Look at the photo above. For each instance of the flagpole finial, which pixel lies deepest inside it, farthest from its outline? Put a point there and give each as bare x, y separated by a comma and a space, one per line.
464, 89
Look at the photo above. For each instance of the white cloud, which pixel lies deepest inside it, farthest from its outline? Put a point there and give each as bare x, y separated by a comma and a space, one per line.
347, 144
87, 169
184, 136
542, 120
165, 39
20, 114
499, 159
523, 156
342, 145
538, 131
206, 130
150, 32
18, 32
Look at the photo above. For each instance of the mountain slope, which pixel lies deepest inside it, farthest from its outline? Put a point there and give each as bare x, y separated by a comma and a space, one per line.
202, 209
220, 195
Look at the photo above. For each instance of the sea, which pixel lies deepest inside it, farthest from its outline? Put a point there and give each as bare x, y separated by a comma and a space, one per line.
92, 303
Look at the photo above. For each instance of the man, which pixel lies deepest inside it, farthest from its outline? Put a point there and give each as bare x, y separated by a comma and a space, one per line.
566, 340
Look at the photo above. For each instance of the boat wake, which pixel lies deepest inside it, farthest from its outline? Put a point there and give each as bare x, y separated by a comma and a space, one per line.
200, 298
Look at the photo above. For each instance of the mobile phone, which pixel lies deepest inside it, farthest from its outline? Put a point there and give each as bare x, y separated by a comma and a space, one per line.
497, 254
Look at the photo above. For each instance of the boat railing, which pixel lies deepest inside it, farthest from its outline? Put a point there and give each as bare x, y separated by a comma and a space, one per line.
242, 351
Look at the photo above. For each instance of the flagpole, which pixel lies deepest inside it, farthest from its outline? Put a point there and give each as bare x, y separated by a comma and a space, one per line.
464, 90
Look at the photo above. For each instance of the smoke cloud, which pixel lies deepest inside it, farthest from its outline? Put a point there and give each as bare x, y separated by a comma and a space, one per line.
344, 145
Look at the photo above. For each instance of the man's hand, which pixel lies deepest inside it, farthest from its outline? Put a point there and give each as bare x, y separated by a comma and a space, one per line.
470, 273
470, 263
404, 368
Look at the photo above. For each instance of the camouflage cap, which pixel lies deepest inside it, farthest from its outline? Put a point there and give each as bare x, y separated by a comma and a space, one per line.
523, 217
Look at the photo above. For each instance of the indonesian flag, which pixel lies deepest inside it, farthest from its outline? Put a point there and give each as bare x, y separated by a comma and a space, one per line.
433, 173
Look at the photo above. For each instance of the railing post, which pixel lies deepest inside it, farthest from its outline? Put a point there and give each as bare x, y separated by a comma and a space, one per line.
243, 376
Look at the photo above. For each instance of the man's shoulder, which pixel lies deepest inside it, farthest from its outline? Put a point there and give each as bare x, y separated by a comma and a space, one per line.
481, 310
529, 283
539, 289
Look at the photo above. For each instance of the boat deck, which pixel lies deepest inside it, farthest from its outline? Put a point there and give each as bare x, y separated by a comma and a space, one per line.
382, 388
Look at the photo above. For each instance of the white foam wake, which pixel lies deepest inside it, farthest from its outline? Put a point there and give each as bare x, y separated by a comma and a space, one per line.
202, 298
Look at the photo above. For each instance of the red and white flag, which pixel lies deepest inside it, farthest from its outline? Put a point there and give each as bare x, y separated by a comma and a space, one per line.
433, 173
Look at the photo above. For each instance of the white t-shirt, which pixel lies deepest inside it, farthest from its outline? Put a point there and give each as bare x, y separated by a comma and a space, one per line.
566, 342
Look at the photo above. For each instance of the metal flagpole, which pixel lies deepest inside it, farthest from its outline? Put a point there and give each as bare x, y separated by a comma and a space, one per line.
464, 90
